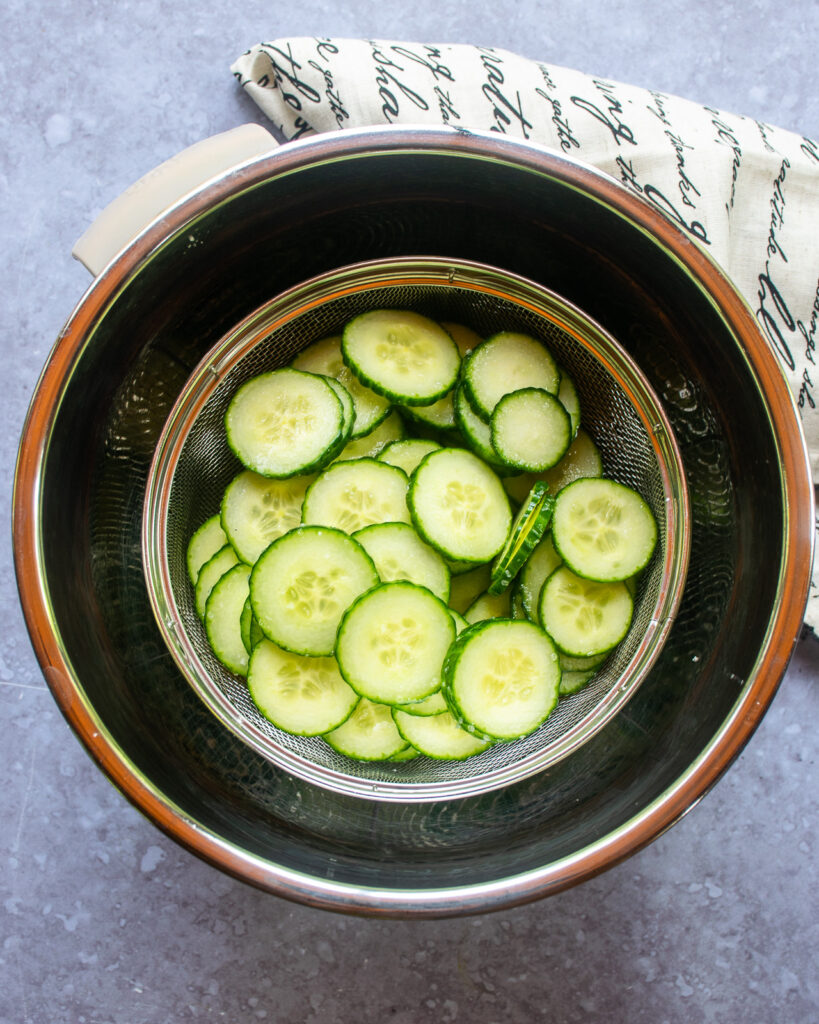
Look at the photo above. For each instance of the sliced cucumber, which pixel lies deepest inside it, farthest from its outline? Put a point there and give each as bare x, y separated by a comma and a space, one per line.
570, 400
368, 446
438, 736
464, 337
407, 754
582, 616
603, 530
324, 356
504, 363
439, 415
530, 429
540, 564
369, 734
400, 554
570, 663
530, 524
251, 633
434, 704
582, 459
489, 606
573, 680
401, 355
257, 509
459, 506
392, 642
206, 541
466, 587
223, 618
357, 493
302, 695
476, 432
408, 453
212, 571
502, 679
285, 422
304, 582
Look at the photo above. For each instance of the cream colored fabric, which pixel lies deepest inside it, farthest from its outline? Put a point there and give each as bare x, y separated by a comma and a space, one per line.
747, 192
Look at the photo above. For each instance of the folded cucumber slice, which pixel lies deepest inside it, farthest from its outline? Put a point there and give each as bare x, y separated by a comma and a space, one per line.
603, 530
285, 422
258, 509
400, 554
530, 524
530, 429
324, 356
212, 571
438, 736
302, 695
223, 617
459, 506
582, 616
204, 544
304, 582
392, 642
402, 355
504, 363
408, 453
502, 678
357, 493
369, 734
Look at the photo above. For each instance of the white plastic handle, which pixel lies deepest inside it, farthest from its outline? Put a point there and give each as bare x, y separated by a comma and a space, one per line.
123, 219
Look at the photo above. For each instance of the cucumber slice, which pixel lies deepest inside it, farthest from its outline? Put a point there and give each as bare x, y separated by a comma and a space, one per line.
582, 459
540, 564
304, 582
212, 571
407, 754
459, 506
304, 696
400, 554
251, 633
466, 587
392, 642
407, 454
369, 734
203, 545
504, 363
489, 606
603, 530
530, 429
223, 617
464, 337
530, 524
401, 355
570, 400
570, 663
476, 432
439, 415
285, 422
368, 446
324, 357
582, 616
502, 679
352, 495
257, 509
573, 680
432, 705
438, 736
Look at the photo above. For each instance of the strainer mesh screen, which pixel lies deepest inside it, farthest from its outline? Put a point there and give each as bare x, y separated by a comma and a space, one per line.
198, 465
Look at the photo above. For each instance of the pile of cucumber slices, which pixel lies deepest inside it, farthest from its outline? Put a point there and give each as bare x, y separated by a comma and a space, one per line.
366, 573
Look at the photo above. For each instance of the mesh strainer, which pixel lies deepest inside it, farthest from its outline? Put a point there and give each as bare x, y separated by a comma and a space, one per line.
193, 464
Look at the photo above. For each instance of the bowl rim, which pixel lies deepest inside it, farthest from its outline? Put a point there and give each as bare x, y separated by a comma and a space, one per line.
753, 698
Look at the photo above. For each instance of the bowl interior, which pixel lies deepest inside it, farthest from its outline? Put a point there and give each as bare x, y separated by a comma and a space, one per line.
282, 227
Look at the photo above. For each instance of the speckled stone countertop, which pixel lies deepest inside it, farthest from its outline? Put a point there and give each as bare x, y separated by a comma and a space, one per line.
104, 919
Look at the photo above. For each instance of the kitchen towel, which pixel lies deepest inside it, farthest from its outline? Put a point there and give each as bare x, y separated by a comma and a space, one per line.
746, 191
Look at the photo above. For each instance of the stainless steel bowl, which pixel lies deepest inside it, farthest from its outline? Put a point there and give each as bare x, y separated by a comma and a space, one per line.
124, 356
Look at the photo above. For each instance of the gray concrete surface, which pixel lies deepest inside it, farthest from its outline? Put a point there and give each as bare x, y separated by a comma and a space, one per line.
102, 918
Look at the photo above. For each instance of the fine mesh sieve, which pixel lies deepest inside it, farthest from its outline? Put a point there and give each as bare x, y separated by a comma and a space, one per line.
192, 466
